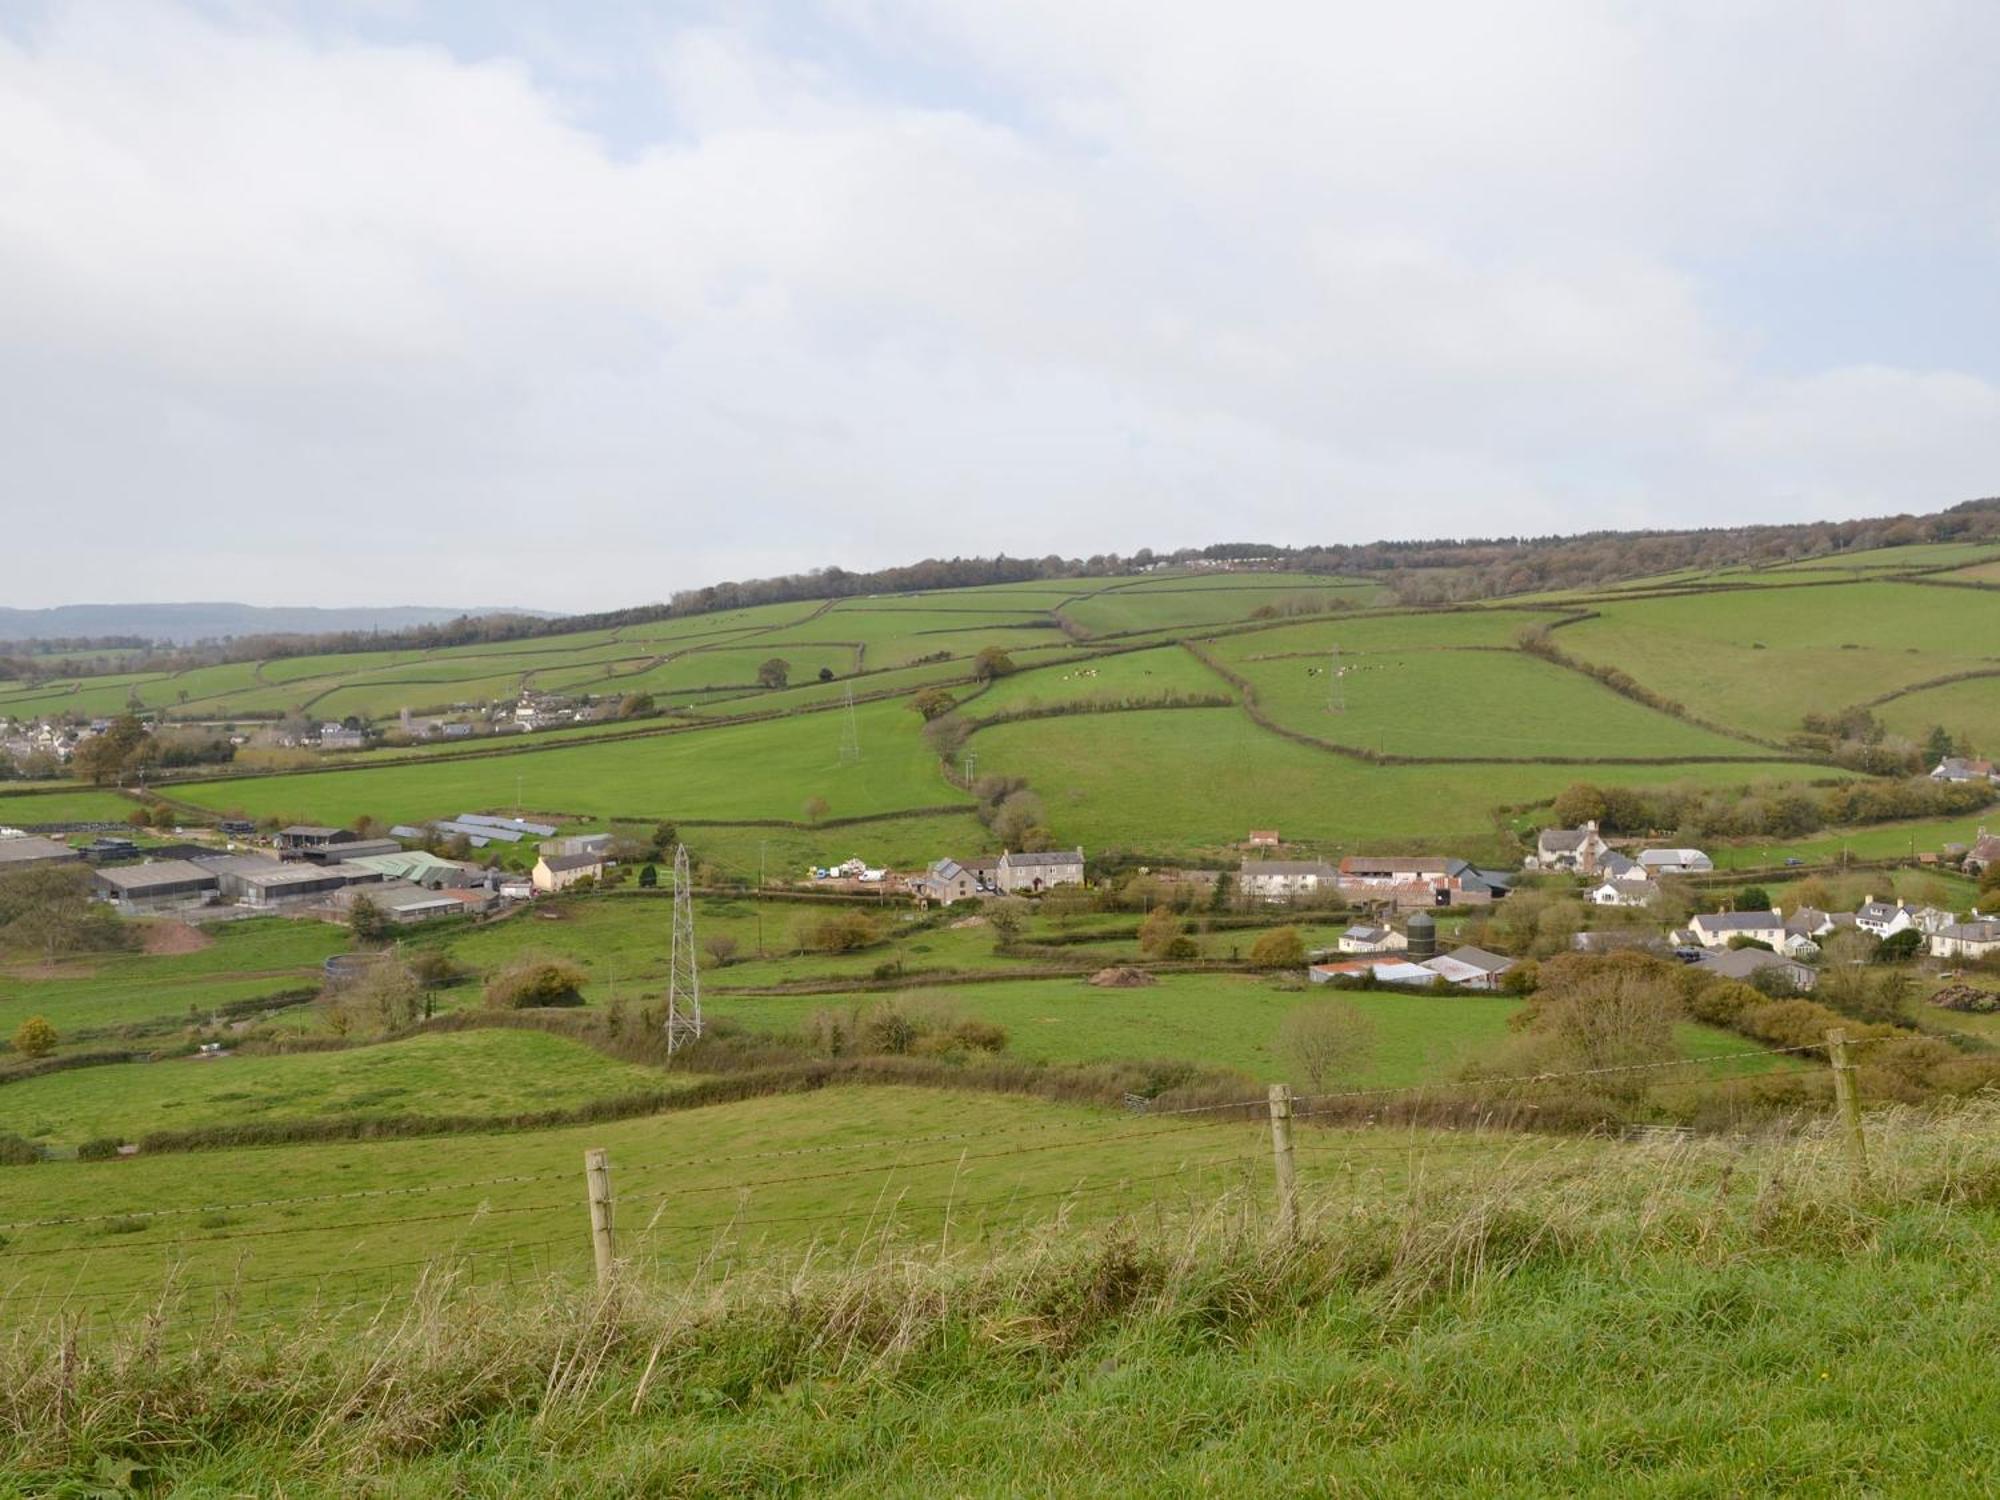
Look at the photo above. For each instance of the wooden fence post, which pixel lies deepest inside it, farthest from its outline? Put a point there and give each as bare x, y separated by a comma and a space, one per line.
1847, 1099
1281, 1153
597, 1185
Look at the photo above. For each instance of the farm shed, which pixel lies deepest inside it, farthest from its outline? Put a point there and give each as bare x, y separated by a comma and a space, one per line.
158, 885
27, 851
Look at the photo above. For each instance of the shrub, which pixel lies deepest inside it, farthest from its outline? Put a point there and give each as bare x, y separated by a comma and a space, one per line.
1183, 949
535, 980
16, 1151
840, 932
1280, 948
35, 1037
99, 1148
1327, 1040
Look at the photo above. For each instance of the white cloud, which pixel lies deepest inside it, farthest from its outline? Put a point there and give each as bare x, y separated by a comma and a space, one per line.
1114, 275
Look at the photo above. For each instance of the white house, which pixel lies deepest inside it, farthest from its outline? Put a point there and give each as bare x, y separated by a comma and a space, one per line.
1366, 937
1715, 929
1883, 919
1284, 879
1622, 893
1578, 849
1675, 861
558, 872
1979, 938
1985, 851
1615, 866
1797, 945
1964, 768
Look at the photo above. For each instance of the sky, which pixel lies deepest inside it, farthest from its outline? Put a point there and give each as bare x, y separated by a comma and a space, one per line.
571, 305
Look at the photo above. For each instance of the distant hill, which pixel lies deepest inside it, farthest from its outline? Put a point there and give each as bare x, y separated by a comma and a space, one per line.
183, 623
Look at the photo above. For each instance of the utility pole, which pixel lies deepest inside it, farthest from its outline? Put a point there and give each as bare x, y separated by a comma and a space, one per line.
683, 966
762, 845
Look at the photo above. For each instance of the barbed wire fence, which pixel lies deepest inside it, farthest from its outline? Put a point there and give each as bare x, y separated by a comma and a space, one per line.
637, 1224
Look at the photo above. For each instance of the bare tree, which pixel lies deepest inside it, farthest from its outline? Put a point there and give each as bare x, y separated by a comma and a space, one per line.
1327, 1041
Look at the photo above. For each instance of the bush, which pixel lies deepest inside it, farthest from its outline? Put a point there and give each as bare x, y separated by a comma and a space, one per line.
99, 1148
1183, 949
840, 932
536, 980
35, 1037
1280, 948
16, 1151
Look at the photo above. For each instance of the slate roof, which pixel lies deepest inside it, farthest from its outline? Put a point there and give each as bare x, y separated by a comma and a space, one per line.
563, 863
1736, 921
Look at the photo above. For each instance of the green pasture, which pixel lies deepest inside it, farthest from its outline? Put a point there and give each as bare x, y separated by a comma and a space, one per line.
722, 1181
1151, 673
733, 667
67, 804
1759, 661
1211, 774
1985, 572
1192, 603
1317, 638
463, 1073
1969, 711
758, 770
247, 959
90, 696
1470, 703
1876, 841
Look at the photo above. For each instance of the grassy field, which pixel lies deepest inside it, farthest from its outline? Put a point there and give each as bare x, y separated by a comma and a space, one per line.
777, 1173
1192, 602
472, 1073
1969, 711
1211, 774
1760, 661
1532, 1320
64, 805
1877, 841
759, 770
262, 956
1471, 703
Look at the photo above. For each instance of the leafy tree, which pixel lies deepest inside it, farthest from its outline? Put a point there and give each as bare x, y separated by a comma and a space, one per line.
826, 674
816, 808
665, 837
721, 948
1938, 745
536, 979
1752, 898
990, 663
1579, 803
775, 672
1280, 948
49, 908
1327, 1041
632, 705
368, 922
933, 702
1008, 917
139, 817
1899, 947
1158, 931
649, 878
35, 1037
109, 756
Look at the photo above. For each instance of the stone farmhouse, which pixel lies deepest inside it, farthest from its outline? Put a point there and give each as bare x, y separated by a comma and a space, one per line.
1027, 874
1579, 850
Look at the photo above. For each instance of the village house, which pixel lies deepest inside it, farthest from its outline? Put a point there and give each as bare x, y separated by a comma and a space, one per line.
1284, 879
1657, 862
1613, 892
1883, 919
1984, 853
1575, 849
1811, 922
1747, 964
945, 882
1262, 838
1368, 937
1797, 945
1028, 874
1961, 768
1716, 929
579, 843
558, 872
339, 737
1976, 939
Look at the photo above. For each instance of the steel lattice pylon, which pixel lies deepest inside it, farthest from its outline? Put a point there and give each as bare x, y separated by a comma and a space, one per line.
683, 971
850, 734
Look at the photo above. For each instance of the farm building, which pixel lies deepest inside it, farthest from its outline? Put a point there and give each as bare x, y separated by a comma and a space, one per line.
399, 901
1262, 838
558, 872
1367, 937
1749, 963
353, 849
1715, 929
519, 827
1616, 866
302, 836
1985, 852
578, 843
1365, 871
419, 867
1974, 940
1285, 879
157, 885
252, 880
1471, 968
26, 851
479, 835
1019, 874
1620, 940
1675, 861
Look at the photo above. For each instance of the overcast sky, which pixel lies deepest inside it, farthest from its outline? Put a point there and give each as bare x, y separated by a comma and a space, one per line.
496, 303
